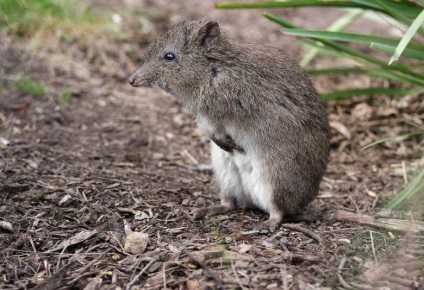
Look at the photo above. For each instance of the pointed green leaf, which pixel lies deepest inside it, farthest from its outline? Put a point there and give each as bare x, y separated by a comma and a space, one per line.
342, 51
392, 138
415, 186
390, 49
349, 93
418, 22
401, 10
339, 25
279, 20
367, 59
336, 70
344, 36
290, 4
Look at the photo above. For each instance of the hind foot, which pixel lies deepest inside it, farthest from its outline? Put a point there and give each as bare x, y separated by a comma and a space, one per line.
271, 224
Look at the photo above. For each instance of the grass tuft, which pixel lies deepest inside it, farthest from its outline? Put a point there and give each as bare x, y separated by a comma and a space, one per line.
402, 13
44, 19
26, 85
406, 75
65, 98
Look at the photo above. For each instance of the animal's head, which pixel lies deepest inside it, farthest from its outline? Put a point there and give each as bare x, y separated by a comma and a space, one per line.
179, 61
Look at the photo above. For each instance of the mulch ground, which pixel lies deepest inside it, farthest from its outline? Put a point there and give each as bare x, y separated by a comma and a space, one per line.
77, 178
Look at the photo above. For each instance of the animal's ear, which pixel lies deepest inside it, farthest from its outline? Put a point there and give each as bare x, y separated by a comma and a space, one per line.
208, 35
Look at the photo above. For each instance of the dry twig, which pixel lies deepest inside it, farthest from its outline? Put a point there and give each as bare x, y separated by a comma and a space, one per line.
134, 280
390, 224
307, 232
54, 282
204, 267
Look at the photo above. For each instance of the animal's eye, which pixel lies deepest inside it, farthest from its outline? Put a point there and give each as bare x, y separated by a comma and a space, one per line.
169, 56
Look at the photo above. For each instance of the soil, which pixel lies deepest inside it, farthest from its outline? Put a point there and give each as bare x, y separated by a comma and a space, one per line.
77, 177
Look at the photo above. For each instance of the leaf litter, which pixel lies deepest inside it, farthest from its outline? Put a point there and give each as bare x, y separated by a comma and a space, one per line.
75, 178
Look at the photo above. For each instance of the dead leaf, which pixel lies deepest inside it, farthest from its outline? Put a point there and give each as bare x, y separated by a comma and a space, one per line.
94, 284
362, 112
6, 226
193, 285
173, 248
114, 185
4, 142
342, 129
141, 215
244, 248
55, 280
75, 239
64, 199
237, 256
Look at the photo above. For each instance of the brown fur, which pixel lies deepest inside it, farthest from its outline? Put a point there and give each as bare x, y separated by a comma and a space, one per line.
255, 100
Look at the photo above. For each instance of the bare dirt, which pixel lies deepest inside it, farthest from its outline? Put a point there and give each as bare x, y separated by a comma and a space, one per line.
74, 177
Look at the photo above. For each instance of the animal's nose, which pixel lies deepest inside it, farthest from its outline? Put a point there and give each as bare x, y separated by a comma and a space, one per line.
131, 80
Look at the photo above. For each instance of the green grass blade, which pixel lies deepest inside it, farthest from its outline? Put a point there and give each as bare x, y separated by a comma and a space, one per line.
347, 37
290, 4
381, 73
279, 20
27, 85
336, 70
411, 77
390, 49
319, 46
384, 19
418, 22
404, 72
415, 77
402, 14
349, 93
403, 11
387, 74
415, 186
392, 138
339, 25
420, 2
362, 57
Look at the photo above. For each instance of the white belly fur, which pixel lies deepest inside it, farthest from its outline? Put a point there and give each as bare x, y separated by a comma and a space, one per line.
249, 183
254, 181
240, 176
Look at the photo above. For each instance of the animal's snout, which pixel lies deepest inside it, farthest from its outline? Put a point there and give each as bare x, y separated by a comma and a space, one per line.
131, 80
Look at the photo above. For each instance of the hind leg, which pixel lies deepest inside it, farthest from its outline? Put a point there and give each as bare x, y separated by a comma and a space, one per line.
228, 178
261, 191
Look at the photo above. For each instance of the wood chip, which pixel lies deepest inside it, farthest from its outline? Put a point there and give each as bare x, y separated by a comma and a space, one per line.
94, 284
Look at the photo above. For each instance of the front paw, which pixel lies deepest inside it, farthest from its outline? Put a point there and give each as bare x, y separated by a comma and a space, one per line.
226, 143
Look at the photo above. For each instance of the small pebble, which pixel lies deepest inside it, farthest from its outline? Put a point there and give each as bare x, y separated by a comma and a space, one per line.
136, 243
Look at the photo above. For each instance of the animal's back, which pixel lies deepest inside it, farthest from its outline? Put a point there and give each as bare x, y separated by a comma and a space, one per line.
280, 122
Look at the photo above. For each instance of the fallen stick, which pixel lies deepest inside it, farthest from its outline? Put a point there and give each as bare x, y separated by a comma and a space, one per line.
135, 279
204, 267
307, 232
386, 223
403, 281
54, 281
